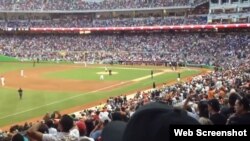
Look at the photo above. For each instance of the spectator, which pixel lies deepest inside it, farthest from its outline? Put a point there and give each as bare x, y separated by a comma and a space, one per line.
65, 124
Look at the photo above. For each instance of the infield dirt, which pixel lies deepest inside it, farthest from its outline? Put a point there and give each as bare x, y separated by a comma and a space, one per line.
33, 80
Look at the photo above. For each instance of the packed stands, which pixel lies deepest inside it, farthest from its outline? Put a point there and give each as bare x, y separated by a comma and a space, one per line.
44, 5
199, 48
78, 21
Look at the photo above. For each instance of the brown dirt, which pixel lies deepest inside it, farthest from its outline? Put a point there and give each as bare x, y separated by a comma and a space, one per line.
33, 80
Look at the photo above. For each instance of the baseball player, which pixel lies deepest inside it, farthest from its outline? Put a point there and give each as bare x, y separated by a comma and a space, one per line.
106, 69
22, 73
2, 80
179, 77
101, 77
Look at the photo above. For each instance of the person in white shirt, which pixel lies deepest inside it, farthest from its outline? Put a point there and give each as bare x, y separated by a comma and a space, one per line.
65, 125
50, 125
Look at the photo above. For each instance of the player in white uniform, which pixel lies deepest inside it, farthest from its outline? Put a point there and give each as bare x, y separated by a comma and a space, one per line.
22, 73
101, 77
2, 80
106, 69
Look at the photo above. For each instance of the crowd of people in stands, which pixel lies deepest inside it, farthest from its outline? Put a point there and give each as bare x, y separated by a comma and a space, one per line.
90, 4
197, 48
77, 21
220, 97
127, 22
191, 17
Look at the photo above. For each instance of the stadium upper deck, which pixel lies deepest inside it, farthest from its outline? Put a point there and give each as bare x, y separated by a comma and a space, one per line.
17, 14
91, 4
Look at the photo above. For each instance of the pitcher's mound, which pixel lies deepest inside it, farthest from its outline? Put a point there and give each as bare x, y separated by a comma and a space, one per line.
106, 73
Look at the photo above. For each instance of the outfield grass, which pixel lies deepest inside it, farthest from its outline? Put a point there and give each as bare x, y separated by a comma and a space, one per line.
91, 74
7, 59
6, 67
37, 103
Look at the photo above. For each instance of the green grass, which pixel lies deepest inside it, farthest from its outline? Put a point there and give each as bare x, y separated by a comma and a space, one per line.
159, 80
6, 67
37, 103
91, 74
7, 59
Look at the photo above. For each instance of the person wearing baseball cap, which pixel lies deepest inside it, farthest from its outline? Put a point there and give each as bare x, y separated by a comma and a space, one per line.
149, 123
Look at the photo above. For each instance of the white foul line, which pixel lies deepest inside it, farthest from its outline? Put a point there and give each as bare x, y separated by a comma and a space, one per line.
59, 101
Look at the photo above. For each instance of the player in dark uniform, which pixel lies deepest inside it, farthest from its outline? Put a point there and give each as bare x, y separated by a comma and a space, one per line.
20, 92
152, 74
179, 77
110, 72
154, 86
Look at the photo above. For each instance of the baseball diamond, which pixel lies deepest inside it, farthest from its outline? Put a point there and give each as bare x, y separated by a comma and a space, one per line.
61, 86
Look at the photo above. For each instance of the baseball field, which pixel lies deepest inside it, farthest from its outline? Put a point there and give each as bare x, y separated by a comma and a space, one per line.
69, 87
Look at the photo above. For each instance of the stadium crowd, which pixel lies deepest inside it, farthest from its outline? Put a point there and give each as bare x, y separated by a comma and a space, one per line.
62, 22
219, 97
197, 48
78, 21
90, 4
